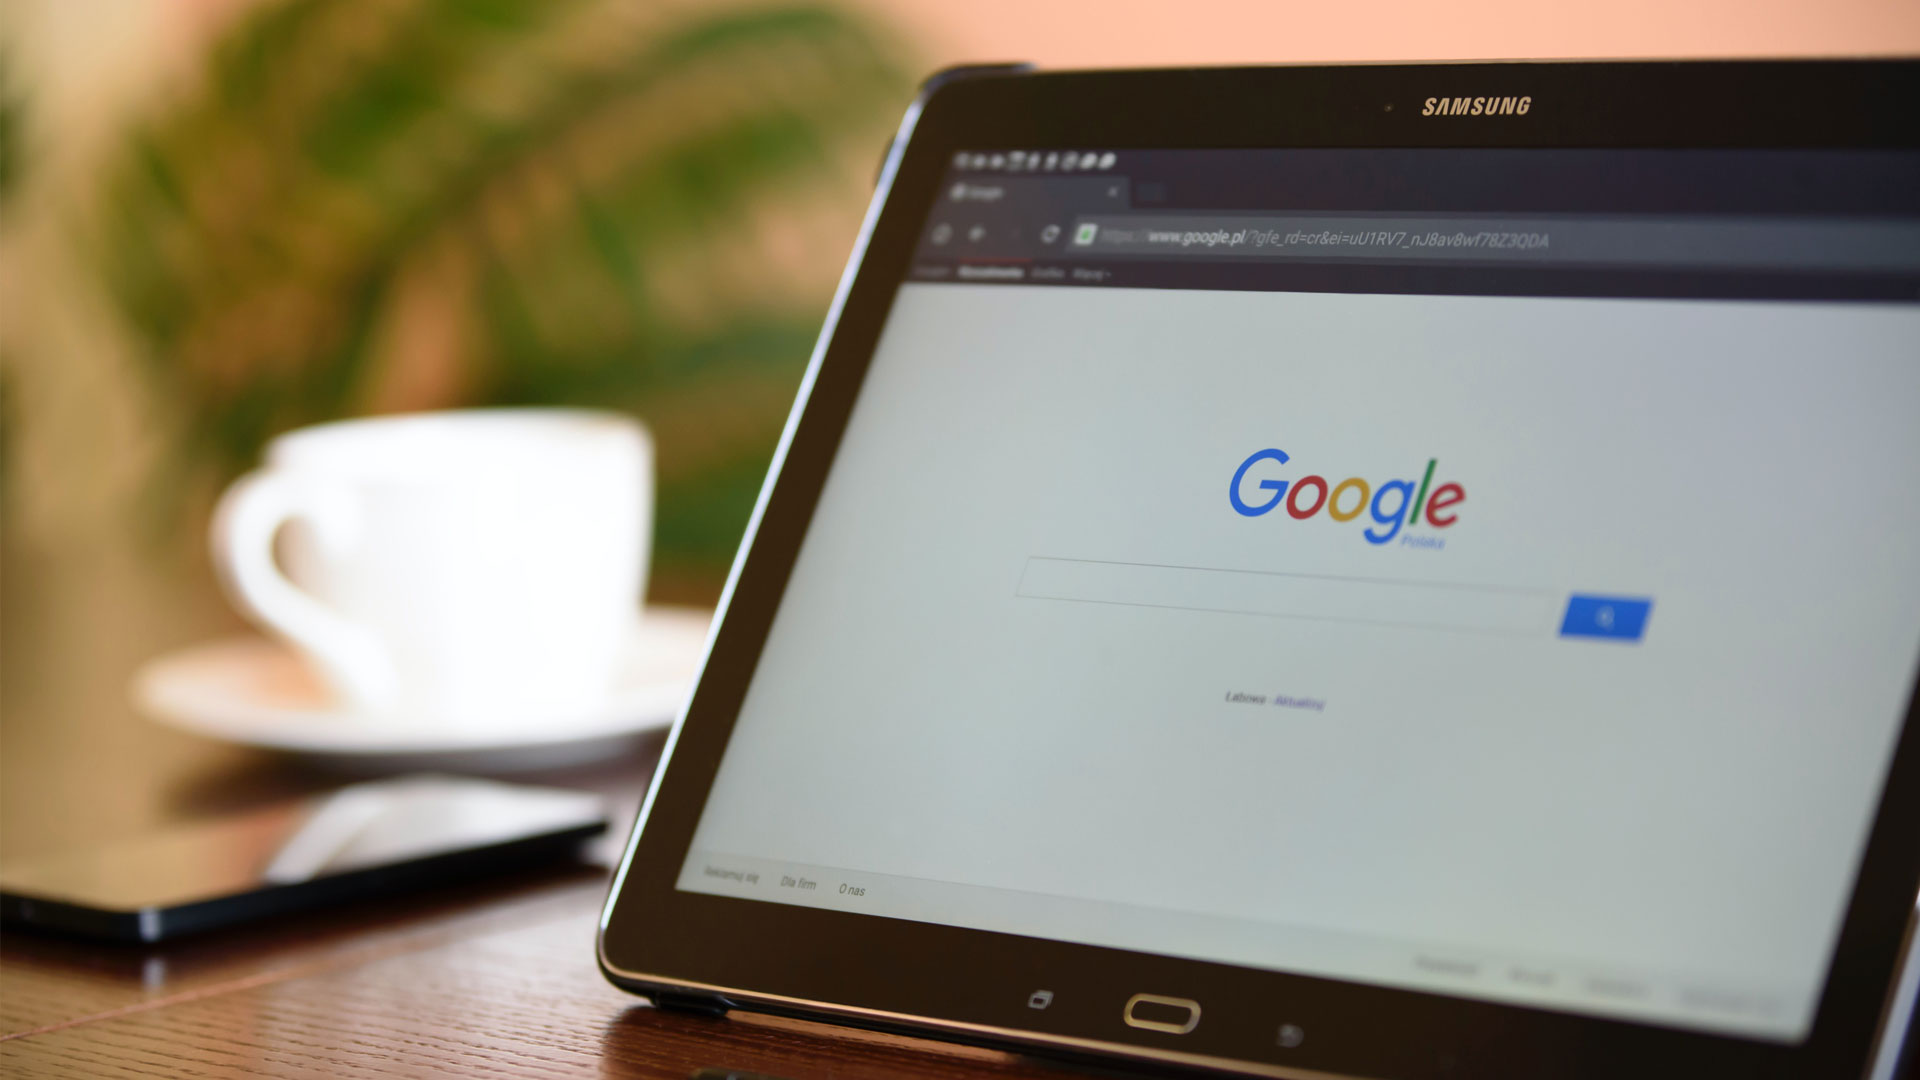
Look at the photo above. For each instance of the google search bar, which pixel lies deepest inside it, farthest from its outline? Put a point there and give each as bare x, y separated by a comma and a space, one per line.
1377, 601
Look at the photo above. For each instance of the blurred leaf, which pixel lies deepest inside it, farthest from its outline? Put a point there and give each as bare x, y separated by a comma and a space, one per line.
559, 165
13, 113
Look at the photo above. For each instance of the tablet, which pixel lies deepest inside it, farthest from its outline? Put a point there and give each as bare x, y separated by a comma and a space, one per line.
1359, 571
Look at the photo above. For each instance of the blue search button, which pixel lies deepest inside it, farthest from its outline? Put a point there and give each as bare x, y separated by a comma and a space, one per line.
1619, 618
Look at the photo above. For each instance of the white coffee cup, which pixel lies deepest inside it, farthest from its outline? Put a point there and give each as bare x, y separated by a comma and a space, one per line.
478, 568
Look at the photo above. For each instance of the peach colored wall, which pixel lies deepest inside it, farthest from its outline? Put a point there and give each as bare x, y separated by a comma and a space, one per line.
1114, 32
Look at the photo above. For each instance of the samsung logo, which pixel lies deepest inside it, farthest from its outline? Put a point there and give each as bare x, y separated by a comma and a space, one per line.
1476, 106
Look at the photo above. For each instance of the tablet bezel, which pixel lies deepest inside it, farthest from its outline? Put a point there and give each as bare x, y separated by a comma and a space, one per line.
972, 985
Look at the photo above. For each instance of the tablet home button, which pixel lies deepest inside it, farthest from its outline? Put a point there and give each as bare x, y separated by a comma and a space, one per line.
1157, 1012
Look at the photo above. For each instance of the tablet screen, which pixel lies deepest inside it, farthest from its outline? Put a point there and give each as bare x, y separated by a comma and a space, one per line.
1485, 573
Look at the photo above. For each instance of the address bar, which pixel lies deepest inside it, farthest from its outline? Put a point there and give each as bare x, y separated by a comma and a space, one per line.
1734, 243
1426, 605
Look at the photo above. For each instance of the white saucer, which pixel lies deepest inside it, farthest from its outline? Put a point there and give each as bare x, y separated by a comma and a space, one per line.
259, 692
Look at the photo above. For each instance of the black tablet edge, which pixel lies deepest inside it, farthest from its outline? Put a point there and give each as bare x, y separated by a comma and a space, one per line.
1895, 1050
882, 189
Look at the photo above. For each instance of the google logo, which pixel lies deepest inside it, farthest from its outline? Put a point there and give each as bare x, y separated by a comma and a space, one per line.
1392, 504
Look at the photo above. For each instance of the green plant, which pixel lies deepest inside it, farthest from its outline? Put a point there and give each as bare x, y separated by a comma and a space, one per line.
12, 120
539, 198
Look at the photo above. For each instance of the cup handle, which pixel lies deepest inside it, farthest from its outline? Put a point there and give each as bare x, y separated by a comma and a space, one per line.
251, 513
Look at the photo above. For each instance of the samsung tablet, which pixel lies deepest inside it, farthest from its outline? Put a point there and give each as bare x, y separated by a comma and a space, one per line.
1359, 571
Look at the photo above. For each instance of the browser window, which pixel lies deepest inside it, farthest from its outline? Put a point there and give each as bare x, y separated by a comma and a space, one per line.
1527, 619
